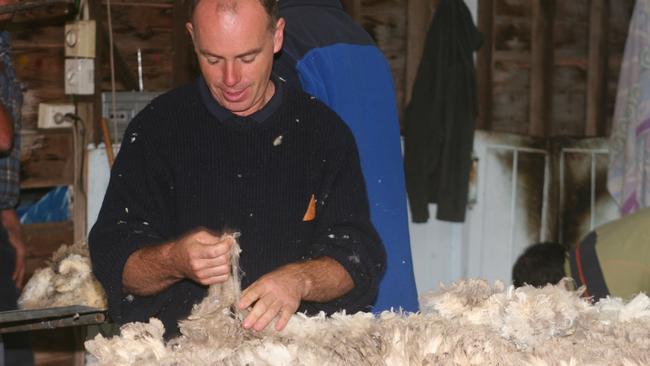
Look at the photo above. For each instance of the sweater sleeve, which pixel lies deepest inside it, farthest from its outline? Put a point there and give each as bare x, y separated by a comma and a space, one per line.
345, 233
132, 217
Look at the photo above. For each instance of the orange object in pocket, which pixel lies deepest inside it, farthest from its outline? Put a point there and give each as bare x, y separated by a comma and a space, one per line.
310, 214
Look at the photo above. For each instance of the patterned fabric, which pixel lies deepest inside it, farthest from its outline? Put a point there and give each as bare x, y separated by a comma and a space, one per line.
630, 139
11, 97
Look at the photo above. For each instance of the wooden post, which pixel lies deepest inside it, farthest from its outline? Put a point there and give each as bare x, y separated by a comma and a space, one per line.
541, 67
418, 14
182, 50
484, 65
353, 8
597, 68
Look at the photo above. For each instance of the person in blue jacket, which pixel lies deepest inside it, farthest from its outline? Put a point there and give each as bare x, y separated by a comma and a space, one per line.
331, 57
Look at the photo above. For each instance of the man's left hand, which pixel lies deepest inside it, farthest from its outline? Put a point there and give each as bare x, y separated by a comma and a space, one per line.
275, 295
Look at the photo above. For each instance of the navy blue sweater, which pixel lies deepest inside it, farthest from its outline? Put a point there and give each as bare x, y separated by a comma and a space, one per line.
184, 164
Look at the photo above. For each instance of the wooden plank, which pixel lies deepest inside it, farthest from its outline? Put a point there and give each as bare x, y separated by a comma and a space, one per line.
55, 347
142, 3
122, 70
353, 8
79, 204
484, 65
511, 35
418, 18
46, 158
41, 72
150, 30
597, 68
41, 240
569, 100
385, 21
41, 12
31, 5
541, 61
182, 48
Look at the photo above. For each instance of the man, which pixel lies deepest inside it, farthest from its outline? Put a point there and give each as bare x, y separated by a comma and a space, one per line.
612, 260
321, 53
12, 251
236, 149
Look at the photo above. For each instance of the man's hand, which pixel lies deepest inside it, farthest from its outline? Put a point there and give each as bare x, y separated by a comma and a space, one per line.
200, 255
203, 257
276, 294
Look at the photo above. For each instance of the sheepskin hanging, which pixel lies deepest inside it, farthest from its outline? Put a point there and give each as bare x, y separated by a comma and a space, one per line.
66, 280
468, 323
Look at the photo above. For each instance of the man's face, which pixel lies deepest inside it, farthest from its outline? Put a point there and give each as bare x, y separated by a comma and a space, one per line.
235, 48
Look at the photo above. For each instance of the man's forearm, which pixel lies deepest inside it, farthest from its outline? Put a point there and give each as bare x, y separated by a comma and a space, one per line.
325, 279
149, 271
11, 223
200, 256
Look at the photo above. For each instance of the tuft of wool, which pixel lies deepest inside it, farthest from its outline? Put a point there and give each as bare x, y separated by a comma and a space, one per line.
67, 280
467, 323
138, 344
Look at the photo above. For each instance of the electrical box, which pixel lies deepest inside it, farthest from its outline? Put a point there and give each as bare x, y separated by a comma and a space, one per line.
80, 39
79, 76
127, 106
52, 115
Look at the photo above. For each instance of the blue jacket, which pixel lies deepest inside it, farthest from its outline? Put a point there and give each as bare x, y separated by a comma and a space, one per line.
332, 58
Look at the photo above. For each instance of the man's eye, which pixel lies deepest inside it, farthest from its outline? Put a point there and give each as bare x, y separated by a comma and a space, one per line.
248, 59
212, 60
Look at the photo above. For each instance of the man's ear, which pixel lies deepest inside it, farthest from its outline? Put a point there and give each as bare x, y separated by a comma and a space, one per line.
190, 30
278, 35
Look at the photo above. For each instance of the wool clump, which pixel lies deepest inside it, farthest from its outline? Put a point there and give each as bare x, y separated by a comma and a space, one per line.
66, 280
467, 323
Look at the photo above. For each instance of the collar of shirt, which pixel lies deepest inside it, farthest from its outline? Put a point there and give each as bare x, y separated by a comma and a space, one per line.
223, 114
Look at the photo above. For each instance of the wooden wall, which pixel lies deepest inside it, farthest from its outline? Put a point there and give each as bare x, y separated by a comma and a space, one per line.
385, 21
511, 83
144, 25
551, 68
537, 72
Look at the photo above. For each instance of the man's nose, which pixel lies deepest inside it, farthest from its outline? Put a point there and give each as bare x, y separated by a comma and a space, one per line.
231, 74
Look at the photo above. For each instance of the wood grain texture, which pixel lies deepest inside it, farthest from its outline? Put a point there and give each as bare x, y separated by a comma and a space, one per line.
385, 20
484, 65
47, 158
597, 68
541, 62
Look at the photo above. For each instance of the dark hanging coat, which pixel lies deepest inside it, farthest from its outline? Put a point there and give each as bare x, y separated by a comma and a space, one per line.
440, 119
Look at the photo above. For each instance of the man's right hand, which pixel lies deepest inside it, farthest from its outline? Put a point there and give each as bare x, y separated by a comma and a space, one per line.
203, 257
200, 256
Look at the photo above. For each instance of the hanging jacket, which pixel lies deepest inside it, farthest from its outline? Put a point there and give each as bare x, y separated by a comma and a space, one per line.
440, 118
332, 58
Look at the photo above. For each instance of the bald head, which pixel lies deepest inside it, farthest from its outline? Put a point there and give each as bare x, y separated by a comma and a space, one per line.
270, 7
235, 47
